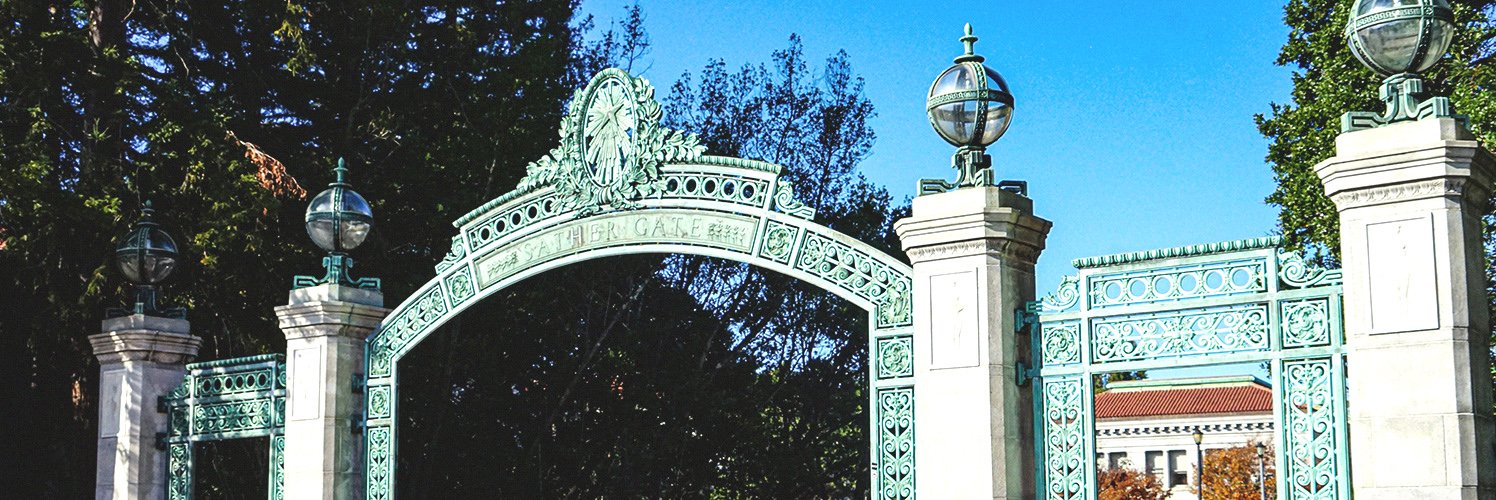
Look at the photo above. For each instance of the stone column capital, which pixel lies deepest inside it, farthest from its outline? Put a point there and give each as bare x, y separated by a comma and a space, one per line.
1412, 161
973, 221
145, 338
329, 318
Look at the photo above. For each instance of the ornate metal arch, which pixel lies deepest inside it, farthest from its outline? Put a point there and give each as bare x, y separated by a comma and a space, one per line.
621, 183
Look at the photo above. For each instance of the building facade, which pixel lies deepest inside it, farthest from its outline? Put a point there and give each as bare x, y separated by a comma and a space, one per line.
1148, 425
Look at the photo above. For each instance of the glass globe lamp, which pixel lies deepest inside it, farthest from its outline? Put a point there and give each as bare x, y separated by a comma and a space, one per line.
1399, 39
1399, 36
970, 106
147, 256
338, 221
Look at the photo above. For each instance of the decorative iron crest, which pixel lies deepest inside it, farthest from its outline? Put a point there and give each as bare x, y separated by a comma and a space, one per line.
612, 146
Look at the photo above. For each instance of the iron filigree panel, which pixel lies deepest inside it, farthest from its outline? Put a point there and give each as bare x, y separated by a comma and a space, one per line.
1244, 301
896, 443
228, 399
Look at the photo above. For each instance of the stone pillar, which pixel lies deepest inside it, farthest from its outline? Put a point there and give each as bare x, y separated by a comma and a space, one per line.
141, 359
1411, 196
973, 251
325, 327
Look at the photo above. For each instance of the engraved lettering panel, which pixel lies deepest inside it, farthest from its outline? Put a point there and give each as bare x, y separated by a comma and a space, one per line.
1400, 260
305, 372
731, 232
954, 320
111, 397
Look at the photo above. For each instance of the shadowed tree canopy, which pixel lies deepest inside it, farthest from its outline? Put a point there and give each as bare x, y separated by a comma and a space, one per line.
226, 114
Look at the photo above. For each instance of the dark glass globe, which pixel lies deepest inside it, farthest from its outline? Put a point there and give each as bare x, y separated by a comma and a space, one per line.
146, 255
1399, 36
338, 219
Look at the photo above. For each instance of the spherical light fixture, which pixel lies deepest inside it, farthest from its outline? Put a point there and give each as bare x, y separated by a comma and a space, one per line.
147, 256
970, 106
1399, 39
1399, 36
338, 220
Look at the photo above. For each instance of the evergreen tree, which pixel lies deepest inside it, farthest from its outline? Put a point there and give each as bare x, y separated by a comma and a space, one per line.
225, 114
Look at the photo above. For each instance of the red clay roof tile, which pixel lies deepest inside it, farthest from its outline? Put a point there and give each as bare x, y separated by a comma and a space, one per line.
1156, 402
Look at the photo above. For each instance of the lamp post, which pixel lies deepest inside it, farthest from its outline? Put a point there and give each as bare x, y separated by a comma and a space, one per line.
1399, 39
338, 220
147, 256
1199, 460
970, 107
1262, 470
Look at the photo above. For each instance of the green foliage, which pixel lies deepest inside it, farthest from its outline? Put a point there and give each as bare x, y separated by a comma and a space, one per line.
225, 114
1328, 82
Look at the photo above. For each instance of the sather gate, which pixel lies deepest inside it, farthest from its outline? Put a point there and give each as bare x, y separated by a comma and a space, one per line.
1381, 378
621, 183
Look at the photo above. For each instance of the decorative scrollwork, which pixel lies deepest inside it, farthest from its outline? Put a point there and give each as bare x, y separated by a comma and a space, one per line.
779, 242
1061, 344
784, 201
379, 402
896, 443
1067, 466
895, 357
1312, 435
1306, 323
406, 325
612, 146
1064, 297
277, 467
455, 253
1295, 272
231, 416
460, 285
378, 464
1173, 333
860, 274
179, 471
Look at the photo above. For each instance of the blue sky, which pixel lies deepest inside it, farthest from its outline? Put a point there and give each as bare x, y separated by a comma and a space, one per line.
1133, 122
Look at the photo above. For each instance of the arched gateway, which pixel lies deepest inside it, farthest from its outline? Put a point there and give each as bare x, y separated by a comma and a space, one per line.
621, 183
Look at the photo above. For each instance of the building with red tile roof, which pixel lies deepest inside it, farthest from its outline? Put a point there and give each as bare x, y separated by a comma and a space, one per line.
1148, 424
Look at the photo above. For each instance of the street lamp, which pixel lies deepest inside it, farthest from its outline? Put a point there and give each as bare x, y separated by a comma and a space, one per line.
338, 220
970, 106
1199, 461
146, 255
1399, 39
1262, 470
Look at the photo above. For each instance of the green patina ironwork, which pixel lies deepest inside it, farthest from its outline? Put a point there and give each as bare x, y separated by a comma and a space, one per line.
621, 183
969, 106
1245, 301
226, 399
338, 219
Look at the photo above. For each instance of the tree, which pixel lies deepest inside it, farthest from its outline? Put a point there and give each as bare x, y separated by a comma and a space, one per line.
1328, 82
226, 114
1124, 483
1231, 473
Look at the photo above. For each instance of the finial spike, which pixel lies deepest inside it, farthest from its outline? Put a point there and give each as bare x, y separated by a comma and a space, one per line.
970, 41
342, 172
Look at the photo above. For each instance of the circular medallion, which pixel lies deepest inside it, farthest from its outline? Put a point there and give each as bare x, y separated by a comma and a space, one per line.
608, 132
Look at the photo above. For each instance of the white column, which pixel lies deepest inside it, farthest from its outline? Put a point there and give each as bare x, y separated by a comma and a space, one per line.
141, 358
325, 327
1411, 197
973, 251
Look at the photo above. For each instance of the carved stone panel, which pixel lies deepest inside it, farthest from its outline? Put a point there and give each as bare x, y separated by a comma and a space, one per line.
306, 373
1400, 275
954, 303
